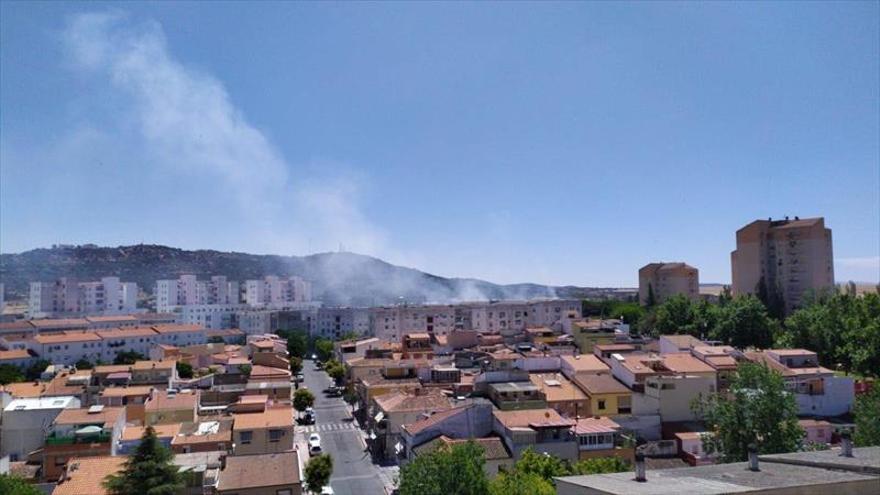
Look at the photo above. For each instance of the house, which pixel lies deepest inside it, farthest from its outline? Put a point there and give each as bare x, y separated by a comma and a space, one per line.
588, 333
671, 395
203, 436
389, 412
561, 394
817, 431
543, 430
133, 399
517, 395
817, 391
678, 343
86, 432
582, 364
160, 373
275, 473
164, 407
264, 432
724, 359
607, 396
600, 437
86, 476
23, 429
131, 437
473, 420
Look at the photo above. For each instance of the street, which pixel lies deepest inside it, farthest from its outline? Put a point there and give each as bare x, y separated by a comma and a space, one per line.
353, 470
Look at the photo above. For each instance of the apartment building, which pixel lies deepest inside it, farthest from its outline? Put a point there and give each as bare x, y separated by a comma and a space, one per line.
188, 290
264, 432
277, 290
508, 318
336, 322
67, 296
665, 280
790, 256
25, 421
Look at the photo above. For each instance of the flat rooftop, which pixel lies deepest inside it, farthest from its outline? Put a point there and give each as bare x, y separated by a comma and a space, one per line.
717, 479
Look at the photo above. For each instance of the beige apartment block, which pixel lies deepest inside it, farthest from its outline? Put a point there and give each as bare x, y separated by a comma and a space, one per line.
667, 280
794, 256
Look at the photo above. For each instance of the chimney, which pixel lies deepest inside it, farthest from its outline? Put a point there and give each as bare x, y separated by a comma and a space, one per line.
640, 467
846, 444
753, 458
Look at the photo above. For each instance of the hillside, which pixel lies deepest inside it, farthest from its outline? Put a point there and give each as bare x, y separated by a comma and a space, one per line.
337, 278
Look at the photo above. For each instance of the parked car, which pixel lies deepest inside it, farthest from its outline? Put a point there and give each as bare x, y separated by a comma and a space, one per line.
309, 416
299, 377
314, 444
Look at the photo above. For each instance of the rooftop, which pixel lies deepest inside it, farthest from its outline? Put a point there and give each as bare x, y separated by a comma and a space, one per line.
85, 476
600, 384
280, 417
493, 447
432, 420
585, 363
244, 472
66, 338
106, 416
430, 399
596, 425
556, 387
533, 418
36, 403
682, 362
162, 401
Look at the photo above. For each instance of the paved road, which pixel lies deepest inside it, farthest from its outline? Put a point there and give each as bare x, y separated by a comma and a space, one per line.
353, 471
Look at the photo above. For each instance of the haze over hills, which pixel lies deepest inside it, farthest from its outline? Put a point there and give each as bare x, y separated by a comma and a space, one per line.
338, 278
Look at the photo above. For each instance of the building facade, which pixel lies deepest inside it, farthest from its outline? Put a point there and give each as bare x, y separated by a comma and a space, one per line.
665, 280
790, 258
67, 296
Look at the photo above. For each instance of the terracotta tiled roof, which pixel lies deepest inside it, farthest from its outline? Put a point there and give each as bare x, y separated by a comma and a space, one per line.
85, 476
428, 400
244, 472
106, 416
682, 362
126, 391
432, 420
175, 328
596, 425
161, 401
280, 417
14, 354
121, 333
534, 418
556, 387
153, 365
600, 384
493, 447
66, 338
60, 322
102, 319
162, 431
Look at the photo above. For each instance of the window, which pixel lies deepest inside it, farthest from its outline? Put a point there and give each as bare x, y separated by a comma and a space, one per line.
246, 437
275, 435
601, 404
285, 491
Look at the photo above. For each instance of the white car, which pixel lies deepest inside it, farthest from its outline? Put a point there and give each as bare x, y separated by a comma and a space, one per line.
314, 444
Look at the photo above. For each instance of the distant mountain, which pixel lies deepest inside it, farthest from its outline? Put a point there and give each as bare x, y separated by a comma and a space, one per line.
337, 278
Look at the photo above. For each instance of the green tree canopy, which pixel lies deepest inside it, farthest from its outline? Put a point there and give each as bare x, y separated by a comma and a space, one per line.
303, 399
84, 364
297, 342
184, 370
744, 323
14, 485
318, 471
335, 370
520, 483
448, 470
756, 409
600, 465
867, 413
148, 471
128, 357
10, 374
544, 465
324, 349
296, 364
36, 369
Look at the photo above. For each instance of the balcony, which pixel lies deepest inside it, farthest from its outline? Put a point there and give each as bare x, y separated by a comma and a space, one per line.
100, 437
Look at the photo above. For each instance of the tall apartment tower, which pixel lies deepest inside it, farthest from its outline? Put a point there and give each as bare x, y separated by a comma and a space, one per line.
668, 279
792, 256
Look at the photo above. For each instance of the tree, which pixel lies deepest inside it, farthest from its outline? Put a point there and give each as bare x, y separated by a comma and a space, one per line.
600, 465
335, 370
350, 396
867, 413
318, 472
756, 409
296, 365
10, 374
128, 357
184, 370
324, 349
297, 342
652, 299
544, 465
452, 469
744, 323
772, 298
17, 486
245, 369
676, 315
36, 369
520, 483
303, 399
83, 364
150, 470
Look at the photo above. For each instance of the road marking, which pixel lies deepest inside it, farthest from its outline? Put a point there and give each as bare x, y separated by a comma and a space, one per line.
358, 477
327, 428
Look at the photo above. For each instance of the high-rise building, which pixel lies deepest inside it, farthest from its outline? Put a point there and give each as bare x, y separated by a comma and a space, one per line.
187, 290
665, 280
791, 257
276, 290
66, 296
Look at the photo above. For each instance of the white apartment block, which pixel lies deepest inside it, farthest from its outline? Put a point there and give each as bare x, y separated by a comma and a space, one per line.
66, 296
71, 346
509, 318
277, 290
187, 290
336, 322
211, 316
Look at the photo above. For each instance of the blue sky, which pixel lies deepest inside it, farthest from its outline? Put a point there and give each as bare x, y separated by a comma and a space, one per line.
564, 143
